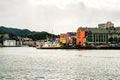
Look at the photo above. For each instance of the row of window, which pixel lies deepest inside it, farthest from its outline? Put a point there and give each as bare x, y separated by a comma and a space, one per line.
97, 38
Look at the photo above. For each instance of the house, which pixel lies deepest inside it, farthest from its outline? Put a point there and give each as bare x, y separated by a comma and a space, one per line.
9, 43
63, 38
71, 38
80, 36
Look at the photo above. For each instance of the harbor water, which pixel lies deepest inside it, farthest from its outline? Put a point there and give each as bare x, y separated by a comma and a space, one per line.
27, 63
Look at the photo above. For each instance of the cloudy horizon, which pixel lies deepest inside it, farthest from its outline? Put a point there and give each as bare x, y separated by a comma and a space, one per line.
59, 16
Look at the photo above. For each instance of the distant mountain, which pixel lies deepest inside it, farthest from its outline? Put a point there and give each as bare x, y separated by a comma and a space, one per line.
19, 32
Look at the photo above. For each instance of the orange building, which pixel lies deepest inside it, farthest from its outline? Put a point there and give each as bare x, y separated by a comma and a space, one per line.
80, 37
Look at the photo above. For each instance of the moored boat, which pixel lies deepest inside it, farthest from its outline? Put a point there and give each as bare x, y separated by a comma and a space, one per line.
50, 45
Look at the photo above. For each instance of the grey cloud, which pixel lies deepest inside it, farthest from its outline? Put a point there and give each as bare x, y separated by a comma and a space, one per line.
21, 14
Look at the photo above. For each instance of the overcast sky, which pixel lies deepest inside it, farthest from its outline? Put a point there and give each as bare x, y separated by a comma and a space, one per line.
59, 16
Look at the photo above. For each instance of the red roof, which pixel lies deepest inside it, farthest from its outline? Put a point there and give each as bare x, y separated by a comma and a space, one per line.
63, 35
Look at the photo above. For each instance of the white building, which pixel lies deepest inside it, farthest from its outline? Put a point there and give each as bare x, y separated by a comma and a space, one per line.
107, 25
9, 43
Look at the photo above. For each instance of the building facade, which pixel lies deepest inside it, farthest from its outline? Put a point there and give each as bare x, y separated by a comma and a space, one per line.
97, 35
9, 43
106, 33
71, 38
12, 43
80, 36
92, 36
63, 38
107, 25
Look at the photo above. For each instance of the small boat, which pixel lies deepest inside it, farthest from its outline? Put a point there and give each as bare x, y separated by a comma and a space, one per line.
50, 45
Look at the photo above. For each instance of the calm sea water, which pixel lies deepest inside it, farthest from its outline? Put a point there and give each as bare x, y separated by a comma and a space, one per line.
25, 63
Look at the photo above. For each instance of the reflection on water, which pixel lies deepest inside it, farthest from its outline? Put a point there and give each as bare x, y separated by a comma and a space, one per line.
24, 63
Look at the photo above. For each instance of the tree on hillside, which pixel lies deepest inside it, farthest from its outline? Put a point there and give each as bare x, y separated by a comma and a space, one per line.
110, 39
115, 39
119, 39
1, 40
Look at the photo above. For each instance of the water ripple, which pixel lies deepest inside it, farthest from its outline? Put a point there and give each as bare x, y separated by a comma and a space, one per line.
31, 64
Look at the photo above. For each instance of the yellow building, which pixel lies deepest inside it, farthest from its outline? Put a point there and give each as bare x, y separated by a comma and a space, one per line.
63, 38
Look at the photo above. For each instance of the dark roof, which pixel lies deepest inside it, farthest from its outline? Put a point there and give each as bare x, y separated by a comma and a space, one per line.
95, 30
71, 33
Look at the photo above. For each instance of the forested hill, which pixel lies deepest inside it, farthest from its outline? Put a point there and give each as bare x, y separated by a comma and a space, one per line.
18, 32
25, 32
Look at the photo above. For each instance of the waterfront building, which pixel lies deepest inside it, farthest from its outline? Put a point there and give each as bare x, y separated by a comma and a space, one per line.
9, 43
26, 39
12, 43
91, 36
71, 38
80, 36
6, 36
19, 43
100, 35
114, 32
63, 38
96, 35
